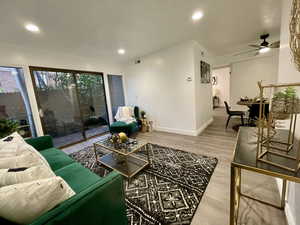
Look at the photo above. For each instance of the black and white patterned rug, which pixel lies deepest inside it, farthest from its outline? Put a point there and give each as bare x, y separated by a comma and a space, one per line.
167, 192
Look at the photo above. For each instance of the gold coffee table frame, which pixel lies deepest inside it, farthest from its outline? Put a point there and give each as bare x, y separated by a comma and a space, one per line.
245, 158
122, 160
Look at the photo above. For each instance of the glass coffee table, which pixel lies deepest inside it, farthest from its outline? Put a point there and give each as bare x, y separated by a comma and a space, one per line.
123, 158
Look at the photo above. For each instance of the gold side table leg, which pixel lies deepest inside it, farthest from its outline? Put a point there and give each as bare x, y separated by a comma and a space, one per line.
283, 193
96, 157
148, 156
234, 200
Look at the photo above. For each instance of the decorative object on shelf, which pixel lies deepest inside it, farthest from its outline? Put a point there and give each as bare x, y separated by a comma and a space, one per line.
205, 72
7, 127
123, 137
121, 141
295, 32
150, 126
284, 104
147, 125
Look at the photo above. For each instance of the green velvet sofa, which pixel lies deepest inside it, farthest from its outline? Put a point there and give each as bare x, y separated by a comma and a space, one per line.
98, 201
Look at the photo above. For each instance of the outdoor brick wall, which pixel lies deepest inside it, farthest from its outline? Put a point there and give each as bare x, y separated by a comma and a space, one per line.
14, 105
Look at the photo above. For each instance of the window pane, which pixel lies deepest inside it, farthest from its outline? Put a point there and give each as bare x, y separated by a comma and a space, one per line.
14, 101
116, 92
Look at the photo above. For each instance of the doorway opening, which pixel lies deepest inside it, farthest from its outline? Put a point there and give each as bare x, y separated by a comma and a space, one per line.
221, 86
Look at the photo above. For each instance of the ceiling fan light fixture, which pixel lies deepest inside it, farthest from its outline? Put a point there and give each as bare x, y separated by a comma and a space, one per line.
264, 50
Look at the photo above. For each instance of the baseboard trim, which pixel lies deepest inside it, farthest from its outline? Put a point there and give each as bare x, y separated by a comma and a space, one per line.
289, 215
204, 126
287, 210
185, 132
175, 131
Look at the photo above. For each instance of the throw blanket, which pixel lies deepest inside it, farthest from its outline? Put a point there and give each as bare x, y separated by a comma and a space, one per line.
125, 114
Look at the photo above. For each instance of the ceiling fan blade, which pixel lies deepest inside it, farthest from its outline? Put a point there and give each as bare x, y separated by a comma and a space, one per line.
275, 44
245, 52
255, 46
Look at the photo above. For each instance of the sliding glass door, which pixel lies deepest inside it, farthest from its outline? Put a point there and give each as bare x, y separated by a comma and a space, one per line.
92, 100
72, 104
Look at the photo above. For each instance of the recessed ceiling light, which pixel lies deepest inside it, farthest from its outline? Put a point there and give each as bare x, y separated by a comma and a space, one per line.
197, 16
121, 51
264, 50
32, 28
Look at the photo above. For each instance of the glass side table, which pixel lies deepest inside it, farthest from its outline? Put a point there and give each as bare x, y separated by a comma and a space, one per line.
244, 158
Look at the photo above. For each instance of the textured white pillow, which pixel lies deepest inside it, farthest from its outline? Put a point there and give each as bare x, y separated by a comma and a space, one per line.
28, 148
24, 174
22, 203
27, 159
12, 145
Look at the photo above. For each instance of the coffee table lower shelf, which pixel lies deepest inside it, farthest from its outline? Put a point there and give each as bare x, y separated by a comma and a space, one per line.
128, 166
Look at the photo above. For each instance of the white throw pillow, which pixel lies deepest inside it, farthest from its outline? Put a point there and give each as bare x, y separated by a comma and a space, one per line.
27, 159
23, 203
28, 148
12, 145
24, 174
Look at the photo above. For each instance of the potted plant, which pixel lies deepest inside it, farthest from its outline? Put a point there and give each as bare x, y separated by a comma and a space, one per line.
284, 103
143, 114
7, 127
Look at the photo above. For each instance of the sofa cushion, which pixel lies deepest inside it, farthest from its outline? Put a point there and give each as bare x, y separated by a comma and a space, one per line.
77, 176
56, 158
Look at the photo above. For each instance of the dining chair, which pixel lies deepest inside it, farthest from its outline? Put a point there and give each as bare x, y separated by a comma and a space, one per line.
233, 113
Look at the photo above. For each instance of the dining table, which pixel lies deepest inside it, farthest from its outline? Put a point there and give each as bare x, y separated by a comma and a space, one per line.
253, 105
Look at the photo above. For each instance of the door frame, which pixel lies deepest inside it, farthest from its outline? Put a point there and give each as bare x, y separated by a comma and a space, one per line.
73, 72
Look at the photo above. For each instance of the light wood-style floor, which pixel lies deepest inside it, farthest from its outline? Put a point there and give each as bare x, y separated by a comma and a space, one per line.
217, 142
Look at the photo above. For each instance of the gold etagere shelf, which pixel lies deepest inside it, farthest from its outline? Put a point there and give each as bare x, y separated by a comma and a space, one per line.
283, 105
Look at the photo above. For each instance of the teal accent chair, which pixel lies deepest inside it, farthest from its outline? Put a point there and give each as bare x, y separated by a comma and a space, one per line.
129, 129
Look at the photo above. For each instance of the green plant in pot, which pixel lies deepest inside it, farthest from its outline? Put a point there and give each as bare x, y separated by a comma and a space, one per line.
143, 114
285, 102
7, 127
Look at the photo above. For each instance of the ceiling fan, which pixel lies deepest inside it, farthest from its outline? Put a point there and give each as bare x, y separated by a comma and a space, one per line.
264, 47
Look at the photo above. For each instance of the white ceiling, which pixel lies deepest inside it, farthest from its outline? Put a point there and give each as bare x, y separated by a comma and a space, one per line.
97, 28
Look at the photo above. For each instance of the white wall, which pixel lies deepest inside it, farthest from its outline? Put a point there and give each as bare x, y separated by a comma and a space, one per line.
159, 86
246, 74
21, 56
203, 91
287, 73
222, 88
